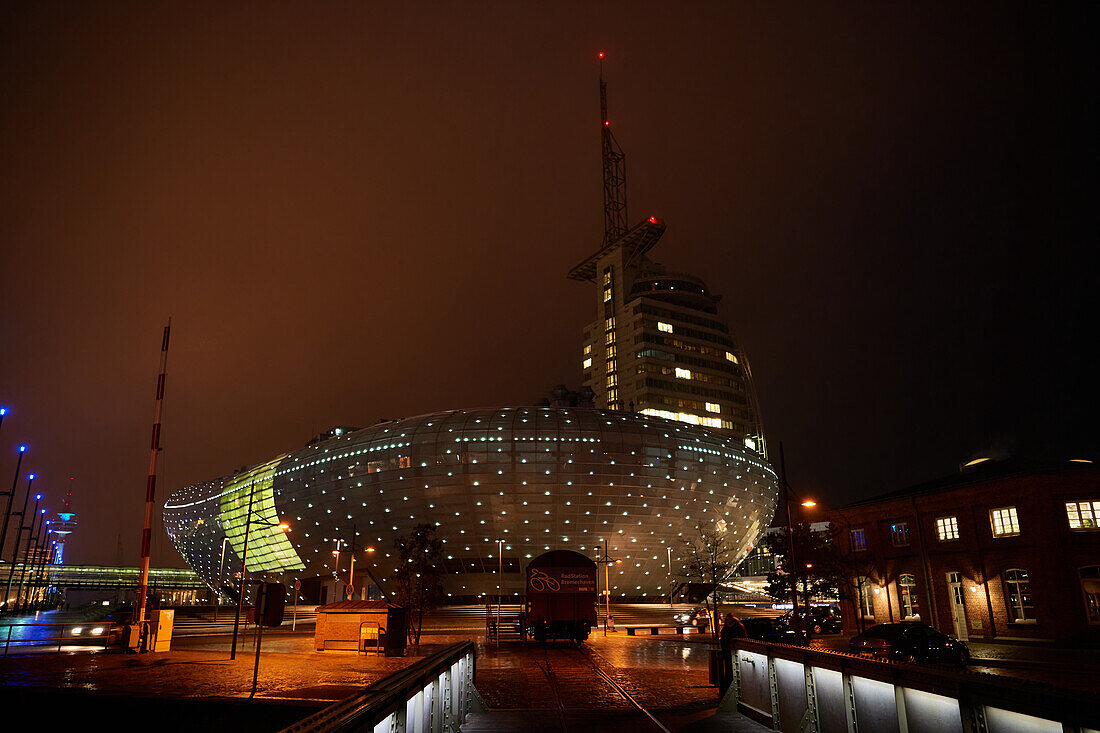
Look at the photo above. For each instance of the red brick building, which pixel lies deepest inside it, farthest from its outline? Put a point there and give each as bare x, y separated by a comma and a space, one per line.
1002, 550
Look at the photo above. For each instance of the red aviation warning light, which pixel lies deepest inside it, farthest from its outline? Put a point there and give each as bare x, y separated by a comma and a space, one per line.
652, 220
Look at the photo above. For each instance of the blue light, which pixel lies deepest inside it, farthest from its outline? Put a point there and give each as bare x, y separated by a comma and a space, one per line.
3, 411
38, 497
30, 477
22, 449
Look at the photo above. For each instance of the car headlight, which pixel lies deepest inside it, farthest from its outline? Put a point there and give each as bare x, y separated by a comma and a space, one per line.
77, 630
98, 631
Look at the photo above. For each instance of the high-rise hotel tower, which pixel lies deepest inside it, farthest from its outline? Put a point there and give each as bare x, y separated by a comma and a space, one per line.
658, 345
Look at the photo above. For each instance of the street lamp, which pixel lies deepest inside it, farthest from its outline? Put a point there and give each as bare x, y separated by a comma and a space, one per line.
792, 563
31, 538
669, 548
221, 572
41, 555
11, 495
340, 544
19, 535
500, 584
336, 568
605, 560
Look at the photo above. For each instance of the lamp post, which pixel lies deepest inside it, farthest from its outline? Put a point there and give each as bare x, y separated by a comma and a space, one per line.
500, 584
19, 535
792, 560
351, 569
669, 548
244, 562
31, 538
369, 551
606, 560
221, 572
37, 568
11, 495
336, 570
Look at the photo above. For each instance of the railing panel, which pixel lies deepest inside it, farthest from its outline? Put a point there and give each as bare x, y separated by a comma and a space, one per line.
754, 681
927, 712
792, 693
851, 694
875, 702
1007, 721
830, 700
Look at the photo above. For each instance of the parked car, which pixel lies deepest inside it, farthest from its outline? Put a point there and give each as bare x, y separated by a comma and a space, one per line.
909, 641
769, 629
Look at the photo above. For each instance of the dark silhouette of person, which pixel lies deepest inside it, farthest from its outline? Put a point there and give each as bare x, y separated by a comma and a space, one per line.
732, 628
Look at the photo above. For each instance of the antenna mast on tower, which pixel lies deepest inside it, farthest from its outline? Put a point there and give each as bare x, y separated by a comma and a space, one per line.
614, 173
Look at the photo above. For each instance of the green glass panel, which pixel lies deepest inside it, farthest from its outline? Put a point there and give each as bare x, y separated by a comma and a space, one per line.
269, 550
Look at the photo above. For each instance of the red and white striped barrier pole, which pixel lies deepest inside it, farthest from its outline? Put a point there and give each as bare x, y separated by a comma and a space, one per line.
150, 490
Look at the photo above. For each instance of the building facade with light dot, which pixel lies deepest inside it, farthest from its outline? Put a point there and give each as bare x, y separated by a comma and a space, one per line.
527, 480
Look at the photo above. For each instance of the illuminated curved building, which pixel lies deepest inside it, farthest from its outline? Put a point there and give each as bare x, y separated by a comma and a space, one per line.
535, 478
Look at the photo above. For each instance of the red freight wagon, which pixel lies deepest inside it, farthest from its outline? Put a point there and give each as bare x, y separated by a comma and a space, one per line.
561, 596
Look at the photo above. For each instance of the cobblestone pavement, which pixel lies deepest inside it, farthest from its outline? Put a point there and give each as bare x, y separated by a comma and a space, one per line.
665, 676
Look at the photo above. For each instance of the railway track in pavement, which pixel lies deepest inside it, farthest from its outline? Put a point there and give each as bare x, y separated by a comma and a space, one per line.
579, 694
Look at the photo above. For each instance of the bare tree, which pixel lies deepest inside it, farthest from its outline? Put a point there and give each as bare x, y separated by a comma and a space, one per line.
418, 578
711, 560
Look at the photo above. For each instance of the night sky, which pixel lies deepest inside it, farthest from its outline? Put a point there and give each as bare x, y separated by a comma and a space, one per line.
355, 211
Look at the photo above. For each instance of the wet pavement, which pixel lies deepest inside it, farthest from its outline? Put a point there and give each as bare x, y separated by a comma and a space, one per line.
289, 668
665, 676
553, 684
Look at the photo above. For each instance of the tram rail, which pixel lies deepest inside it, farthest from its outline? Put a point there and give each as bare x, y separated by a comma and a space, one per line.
589, 659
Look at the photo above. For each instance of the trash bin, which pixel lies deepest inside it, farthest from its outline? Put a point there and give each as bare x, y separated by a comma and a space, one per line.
716, 667
395, 638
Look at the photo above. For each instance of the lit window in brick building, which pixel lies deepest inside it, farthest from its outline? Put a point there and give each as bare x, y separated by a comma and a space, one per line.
1082, 514
947, 528
899, 534
1004, 521
1018, 595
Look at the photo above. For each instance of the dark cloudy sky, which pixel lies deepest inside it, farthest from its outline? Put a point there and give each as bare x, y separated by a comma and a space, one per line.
363, 210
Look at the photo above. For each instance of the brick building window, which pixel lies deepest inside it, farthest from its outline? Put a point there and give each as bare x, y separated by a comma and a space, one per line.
899, 534
1004, 522
1082, 514
1018, 595
947, 528
866, 604
1090, 586
859, 540
907, 593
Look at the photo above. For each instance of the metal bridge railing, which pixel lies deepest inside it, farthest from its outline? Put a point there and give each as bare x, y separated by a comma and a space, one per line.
791, 688
433, 695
